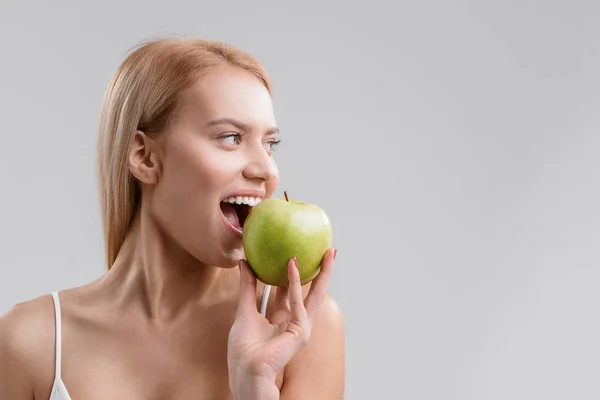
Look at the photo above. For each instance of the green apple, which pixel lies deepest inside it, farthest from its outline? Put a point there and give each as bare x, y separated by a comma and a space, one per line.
277, 230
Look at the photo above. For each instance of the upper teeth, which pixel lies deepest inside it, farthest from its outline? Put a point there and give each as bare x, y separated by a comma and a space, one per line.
251, 201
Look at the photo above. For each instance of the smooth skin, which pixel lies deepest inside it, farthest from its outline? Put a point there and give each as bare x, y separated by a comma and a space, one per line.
176, 317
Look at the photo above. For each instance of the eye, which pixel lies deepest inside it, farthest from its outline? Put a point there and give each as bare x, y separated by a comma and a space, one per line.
231, 139
272, 144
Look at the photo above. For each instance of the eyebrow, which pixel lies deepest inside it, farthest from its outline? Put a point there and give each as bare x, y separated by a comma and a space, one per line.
240, 125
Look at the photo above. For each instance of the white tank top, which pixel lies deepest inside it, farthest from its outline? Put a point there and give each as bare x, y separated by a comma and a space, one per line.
59, 391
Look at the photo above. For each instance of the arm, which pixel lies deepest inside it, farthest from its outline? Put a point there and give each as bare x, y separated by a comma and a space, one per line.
15, 377
317, 371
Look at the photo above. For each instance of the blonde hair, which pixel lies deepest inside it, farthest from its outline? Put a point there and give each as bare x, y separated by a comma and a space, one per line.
143, 95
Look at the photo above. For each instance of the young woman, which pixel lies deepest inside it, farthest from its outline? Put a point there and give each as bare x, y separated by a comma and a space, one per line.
186, 126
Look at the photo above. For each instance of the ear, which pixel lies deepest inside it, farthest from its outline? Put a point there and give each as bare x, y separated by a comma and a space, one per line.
143, 160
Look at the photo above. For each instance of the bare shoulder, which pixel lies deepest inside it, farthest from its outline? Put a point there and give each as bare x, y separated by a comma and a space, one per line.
26, 347
318, 370
329, 320
328, 326
331, 313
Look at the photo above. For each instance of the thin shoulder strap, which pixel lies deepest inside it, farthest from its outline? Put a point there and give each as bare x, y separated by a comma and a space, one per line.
265, 300
58, 325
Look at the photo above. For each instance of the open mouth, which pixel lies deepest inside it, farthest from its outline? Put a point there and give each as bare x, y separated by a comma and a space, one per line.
237, 209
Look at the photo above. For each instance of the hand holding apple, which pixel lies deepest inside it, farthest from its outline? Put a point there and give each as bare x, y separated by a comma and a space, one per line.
278, 230
258, 348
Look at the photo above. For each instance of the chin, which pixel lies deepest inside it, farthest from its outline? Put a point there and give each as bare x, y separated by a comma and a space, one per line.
229, 258
234, 257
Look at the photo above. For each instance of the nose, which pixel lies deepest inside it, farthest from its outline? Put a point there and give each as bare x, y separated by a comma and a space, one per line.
260, 165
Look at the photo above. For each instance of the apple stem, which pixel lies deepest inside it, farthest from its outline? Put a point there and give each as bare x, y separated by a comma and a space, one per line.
286, 196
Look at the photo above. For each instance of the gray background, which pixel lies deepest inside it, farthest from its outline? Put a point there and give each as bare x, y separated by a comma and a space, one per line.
454, 145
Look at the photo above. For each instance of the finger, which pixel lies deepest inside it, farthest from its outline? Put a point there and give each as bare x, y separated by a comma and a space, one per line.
247, 300
281, 298
318, 288
281, 307
285, 345
295, 292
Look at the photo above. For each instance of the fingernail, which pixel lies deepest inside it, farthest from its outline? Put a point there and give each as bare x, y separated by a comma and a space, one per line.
334, 253
296, 262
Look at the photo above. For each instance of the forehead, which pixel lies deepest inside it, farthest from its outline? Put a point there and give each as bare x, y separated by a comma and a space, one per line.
230, 92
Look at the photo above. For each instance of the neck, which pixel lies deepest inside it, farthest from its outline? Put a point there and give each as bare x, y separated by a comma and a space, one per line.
157, 276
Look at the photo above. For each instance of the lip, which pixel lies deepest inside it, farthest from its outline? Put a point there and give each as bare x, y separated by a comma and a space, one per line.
247, 193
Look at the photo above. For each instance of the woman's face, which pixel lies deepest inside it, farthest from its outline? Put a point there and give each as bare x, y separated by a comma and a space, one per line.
219, 149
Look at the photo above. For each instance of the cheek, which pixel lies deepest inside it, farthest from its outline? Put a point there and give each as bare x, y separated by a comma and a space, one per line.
216, 171
272, 186
183, 198
197, 174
